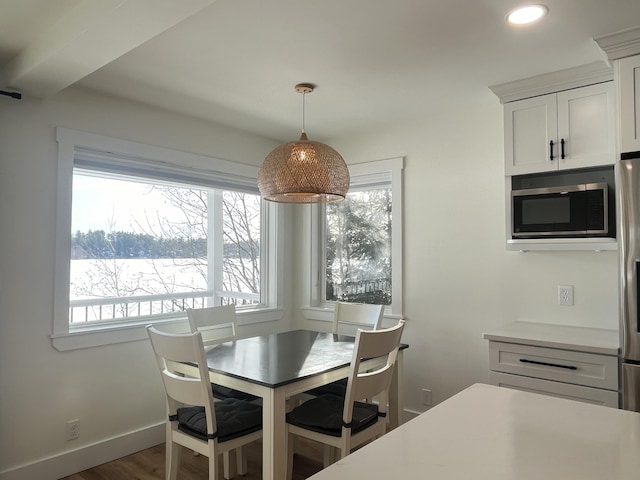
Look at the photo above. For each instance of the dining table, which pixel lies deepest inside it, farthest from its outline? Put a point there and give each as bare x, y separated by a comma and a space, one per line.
491, 432
277, 367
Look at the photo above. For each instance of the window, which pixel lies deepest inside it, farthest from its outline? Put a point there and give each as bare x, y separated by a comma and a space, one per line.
150, 236
358, 247
357, 243
140, 248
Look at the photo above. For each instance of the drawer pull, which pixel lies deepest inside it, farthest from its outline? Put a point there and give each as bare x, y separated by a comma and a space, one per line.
546, 364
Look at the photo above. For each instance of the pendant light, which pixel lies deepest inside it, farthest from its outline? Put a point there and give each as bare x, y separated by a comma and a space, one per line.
303, 171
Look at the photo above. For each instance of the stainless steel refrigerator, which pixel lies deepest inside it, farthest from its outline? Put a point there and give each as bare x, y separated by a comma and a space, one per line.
629, 245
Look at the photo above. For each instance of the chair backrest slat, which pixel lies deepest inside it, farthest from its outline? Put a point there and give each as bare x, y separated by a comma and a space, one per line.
378, 345
360, 315
184, 390
370, 385
217, 324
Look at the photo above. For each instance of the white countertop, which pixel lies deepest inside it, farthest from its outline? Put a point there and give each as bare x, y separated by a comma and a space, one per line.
593, 340
494, 433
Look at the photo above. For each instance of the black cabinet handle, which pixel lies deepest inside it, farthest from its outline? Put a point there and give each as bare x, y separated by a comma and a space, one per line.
546, 364
562, 148
551, 150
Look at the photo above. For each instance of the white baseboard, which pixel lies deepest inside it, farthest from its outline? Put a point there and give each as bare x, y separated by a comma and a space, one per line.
88, 456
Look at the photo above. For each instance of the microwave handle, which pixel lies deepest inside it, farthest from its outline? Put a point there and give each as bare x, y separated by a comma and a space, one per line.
551, 150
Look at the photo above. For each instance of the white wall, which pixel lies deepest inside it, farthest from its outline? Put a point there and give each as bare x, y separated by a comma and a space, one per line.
113, 389
459, 279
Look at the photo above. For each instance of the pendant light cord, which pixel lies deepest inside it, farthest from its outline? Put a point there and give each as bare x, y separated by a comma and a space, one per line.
303, 98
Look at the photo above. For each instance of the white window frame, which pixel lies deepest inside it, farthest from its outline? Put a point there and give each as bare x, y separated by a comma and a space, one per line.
380, 172
223, 173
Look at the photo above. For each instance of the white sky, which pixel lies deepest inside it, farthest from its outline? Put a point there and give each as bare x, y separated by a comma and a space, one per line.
111, 204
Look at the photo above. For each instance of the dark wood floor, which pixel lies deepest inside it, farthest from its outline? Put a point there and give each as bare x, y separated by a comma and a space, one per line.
149, 465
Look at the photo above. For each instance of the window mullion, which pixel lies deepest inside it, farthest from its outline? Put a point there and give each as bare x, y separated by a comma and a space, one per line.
215, 247
318, 258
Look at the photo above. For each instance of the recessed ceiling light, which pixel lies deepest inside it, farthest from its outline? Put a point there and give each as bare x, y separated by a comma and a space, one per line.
527, 14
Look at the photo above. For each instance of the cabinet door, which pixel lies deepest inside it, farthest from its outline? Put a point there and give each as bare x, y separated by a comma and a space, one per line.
529, 126
629, 85
586, 123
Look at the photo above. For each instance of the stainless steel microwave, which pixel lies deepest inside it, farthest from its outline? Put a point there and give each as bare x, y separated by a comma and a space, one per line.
570, 211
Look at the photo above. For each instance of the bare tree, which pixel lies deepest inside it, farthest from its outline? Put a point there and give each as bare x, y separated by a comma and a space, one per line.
241, 231
183, 219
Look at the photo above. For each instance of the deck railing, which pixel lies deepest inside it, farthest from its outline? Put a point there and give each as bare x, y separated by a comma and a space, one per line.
116, 309
361, 290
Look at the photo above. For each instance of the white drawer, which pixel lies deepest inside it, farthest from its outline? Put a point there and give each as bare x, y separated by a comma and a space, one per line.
579, 368
555, 389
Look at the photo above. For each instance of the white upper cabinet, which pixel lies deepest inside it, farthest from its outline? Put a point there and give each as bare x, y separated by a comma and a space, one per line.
628, 75
570, 129
586, 123
529, 128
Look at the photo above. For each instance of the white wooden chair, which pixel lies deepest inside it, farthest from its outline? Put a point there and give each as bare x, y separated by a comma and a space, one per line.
218, 325
347, 318
194, 420
343, 423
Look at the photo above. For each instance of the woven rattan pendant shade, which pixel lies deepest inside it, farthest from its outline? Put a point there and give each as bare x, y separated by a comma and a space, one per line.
303, 171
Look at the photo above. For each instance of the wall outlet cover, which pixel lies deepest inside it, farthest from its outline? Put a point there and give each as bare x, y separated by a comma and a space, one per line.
565, 295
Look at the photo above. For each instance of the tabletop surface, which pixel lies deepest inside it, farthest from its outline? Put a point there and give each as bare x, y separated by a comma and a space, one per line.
490, 432
280, 358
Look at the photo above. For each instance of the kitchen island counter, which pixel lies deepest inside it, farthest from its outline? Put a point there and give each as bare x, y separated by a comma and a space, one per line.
494, 433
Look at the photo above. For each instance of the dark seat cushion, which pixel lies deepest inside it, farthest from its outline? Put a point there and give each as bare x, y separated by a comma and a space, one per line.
234, 419
222, 393
338, 388
324, 415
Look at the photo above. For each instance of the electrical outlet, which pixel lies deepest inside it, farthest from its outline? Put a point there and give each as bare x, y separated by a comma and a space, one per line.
73, 429
565, 295
426, 397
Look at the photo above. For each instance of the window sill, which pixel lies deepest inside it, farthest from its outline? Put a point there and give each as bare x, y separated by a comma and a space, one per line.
100, 335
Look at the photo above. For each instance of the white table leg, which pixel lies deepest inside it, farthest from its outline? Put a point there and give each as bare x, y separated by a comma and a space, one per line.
274, 444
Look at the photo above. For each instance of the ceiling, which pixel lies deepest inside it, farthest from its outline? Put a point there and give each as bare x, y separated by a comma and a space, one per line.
375, 62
